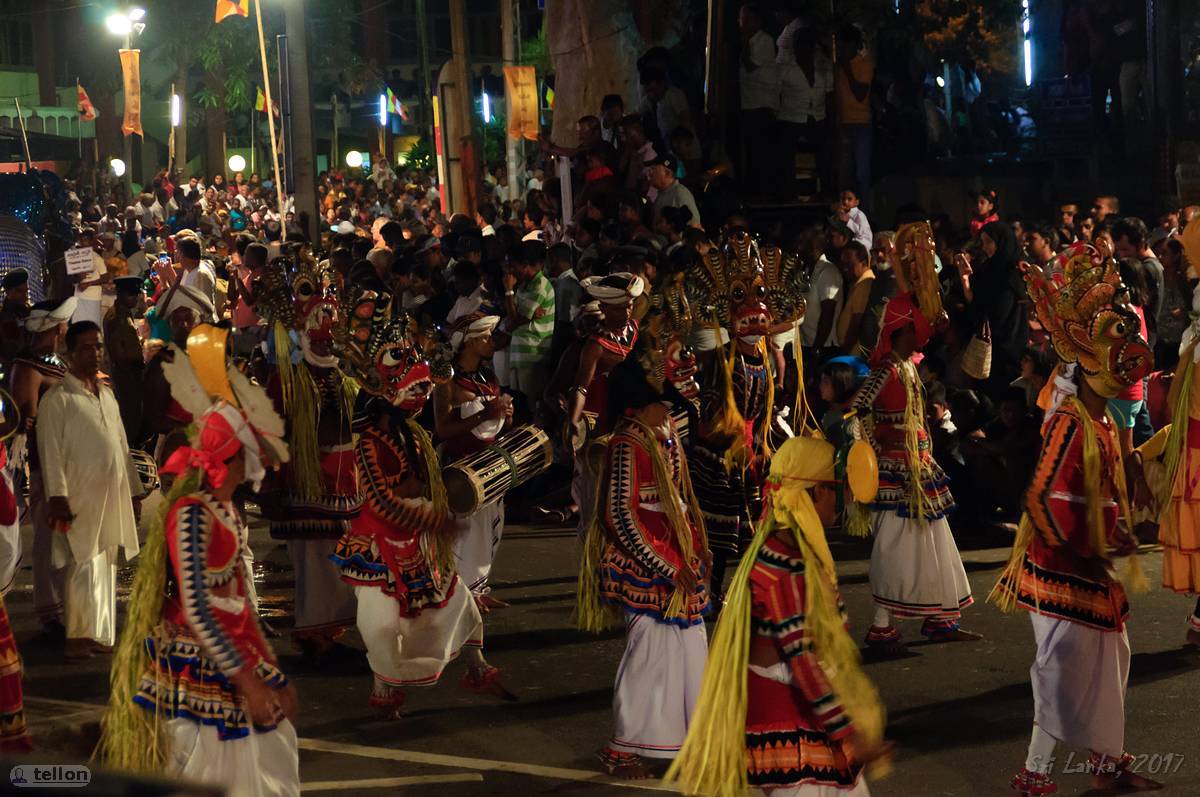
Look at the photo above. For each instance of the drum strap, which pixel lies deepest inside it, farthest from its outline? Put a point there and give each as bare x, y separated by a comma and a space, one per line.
510, 462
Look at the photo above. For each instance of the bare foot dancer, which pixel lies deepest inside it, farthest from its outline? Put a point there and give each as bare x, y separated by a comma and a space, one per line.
78, 649
387, 701
887, 641
491, 603
947, 632
1116, 777
485, 680
627, 766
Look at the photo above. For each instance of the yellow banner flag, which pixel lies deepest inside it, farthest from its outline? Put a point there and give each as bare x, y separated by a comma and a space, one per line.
232, 8
131, 74
520, 90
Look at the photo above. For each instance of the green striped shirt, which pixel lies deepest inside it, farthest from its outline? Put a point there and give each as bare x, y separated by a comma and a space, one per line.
531, 342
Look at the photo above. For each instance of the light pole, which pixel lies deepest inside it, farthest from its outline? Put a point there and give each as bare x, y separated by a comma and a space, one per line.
127, 23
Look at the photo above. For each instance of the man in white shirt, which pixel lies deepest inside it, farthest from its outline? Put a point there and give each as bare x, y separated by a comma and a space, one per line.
759, 82
666, 104
90, 481
89, 291
805, 83
670, 193
819, 330
197, 274
850, 214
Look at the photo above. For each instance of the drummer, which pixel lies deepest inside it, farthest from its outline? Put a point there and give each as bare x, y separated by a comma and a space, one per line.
582, 375
469, 413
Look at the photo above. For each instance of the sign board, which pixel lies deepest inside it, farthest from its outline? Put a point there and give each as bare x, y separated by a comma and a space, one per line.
79, 261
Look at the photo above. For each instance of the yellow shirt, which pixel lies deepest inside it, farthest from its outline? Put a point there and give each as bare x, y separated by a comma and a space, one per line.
856, 304
850, 109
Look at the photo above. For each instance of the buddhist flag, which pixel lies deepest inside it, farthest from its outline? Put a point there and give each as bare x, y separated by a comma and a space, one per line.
229, 8
520, 91
393, 103
87, 111
260, 102
131, 74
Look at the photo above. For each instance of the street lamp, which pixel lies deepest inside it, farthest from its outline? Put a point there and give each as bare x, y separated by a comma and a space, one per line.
354, 159
237, 164
128, 23
176, 110
118, 167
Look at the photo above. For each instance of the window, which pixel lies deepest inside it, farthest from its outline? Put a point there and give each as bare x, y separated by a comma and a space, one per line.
16, 34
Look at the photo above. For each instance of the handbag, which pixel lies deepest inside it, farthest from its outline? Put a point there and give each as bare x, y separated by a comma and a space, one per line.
977, 358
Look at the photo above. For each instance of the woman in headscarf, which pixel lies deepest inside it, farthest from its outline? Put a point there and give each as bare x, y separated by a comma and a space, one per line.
995, 293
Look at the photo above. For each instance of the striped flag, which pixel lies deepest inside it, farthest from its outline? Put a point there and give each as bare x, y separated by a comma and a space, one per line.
229, 8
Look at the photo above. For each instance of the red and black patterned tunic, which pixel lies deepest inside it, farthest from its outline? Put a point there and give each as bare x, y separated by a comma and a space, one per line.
1062, 576
386, 546
880, 403
642, 558
209, 631
794, 722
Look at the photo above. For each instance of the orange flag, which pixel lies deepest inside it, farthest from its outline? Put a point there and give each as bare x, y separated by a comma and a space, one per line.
131, 73
87, 111
229, 8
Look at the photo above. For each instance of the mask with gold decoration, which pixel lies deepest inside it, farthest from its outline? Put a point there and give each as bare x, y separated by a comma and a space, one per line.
1084, 307
380, 352
728, 284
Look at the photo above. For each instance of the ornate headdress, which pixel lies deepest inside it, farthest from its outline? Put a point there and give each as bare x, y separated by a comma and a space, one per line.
663, 349
916, 252
380, 352
1084, 308
786, 282
728, 285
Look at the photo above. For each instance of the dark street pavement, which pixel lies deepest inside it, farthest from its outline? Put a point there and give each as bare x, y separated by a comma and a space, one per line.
960, 714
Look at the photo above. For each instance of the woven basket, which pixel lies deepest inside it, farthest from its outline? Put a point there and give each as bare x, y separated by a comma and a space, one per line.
977, 358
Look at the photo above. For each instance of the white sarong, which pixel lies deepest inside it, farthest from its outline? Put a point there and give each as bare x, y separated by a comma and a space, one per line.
91, 595
413, 651
657, 686
262, 764
478, 538
822, 790
916, 570
1079, 679
324, 603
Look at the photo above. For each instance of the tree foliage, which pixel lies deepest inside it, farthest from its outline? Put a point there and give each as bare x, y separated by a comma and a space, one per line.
983, 30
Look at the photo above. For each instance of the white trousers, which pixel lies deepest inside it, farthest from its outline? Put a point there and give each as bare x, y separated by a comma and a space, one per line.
259, 765
91, 598
1079, 679
476, 543
916, 570
48, 581
658, 682
323, 600
583, 490
413, 651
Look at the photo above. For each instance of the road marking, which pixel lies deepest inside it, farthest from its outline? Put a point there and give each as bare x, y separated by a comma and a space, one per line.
416, 757
388, 783
461, 762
